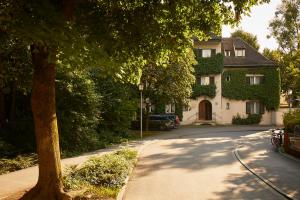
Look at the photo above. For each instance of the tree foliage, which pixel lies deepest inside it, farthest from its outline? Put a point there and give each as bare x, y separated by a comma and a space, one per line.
118, 36
171, 81
247, 37
285, 28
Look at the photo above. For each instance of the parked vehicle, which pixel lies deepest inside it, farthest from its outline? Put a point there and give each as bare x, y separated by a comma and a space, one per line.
156, 122
175, 119
277, 138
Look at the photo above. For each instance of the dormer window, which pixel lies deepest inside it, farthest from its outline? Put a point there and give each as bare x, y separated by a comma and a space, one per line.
227, 53
240, 52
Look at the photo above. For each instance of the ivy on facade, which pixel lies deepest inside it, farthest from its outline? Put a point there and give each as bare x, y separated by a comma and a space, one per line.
211, 65
234, 86
204, 90
204, 67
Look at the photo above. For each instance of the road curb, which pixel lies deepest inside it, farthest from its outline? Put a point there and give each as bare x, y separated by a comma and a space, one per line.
121, 193
288, 156
264, 180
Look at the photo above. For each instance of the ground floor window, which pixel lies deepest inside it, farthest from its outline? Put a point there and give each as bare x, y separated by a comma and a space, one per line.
254, 107
170, 108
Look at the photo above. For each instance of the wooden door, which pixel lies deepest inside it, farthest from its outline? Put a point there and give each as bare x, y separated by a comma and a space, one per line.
205, 110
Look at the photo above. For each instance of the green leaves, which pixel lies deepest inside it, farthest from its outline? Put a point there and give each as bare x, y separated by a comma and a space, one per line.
212, 65
267, 93
204, 90
247, 37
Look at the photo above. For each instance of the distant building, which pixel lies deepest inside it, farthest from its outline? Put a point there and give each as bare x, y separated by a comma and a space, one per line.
232, 79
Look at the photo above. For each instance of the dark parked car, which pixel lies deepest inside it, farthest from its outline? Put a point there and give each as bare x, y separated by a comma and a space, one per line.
156, 122
175, 119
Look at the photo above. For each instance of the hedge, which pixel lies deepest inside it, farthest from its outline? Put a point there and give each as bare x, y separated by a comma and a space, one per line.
250, 119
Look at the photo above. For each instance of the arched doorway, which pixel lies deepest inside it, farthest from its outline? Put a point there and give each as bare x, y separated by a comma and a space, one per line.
205, 110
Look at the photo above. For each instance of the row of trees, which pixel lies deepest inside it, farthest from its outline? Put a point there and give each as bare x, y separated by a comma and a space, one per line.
118, 37
285, 28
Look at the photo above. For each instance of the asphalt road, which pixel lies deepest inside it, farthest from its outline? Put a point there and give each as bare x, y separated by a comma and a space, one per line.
194, 164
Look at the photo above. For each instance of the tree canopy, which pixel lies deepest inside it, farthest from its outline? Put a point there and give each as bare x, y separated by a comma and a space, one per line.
247, 37
120, 37
285, 28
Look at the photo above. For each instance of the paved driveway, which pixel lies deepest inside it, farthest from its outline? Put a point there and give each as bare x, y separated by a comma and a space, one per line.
197, 163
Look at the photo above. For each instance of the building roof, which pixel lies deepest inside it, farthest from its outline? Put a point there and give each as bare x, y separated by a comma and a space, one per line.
252, 57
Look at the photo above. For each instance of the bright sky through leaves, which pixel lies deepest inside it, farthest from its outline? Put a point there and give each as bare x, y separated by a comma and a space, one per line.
257, 23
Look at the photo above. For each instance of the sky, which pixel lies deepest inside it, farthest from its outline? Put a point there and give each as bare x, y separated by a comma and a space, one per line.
257, 23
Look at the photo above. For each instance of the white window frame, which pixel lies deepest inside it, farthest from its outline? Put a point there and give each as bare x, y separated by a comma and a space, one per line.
240, 52
227, 53
206, 53
227, 106
204, 80
255, 79
254, 107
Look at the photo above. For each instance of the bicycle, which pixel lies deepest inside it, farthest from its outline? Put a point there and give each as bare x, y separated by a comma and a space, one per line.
277, 138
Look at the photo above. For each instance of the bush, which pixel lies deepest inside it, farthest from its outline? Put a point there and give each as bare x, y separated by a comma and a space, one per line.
291, 119
107, 171
20, 162
78, 111
250, 119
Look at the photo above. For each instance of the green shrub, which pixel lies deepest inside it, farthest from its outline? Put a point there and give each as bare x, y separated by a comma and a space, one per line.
109, 170
250, 119
78, 111
20, 162
291, 119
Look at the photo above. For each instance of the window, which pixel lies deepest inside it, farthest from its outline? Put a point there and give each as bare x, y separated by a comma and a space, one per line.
240, 52
207, 80
227, 53
254, 107
255, 79
227, 106
206, 53
170, 108
227, 78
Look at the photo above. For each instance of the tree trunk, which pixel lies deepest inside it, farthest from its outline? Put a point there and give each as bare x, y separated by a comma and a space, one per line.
49, 185
2, 102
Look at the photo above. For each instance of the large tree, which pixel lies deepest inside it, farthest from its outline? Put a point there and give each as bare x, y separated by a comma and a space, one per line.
285, 28
91, 32
168, 82
247, 37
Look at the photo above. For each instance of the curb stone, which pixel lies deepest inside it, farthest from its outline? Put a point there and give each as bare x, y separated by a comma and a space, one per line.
265, 181
121, 193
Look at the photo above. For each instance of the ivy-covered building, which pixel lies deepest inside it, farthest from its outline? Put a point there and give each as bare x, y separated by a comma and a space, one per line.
233, 81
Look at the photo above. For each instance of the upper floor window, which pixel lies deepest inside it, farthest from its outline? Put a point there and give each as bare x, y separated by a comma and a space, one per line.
206, 80
254, 79
227, 53
240, 52
206, 53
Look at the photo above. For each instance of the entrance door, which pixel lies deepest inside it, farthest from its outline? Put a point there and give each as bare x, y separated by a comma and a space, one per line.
205, 110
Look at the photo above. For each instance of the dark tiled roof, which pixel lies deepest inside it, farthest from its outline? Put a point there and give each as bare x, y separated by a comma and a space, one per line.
252, 57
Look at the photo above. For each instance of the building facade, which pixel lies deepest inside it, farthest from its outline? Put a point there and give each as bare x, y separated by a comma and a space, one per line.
232, 80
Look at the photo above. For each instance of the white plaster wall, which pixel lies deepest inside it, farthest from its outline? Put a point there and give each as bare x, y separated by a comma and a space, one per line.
191, 116
279, 115
240, 107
